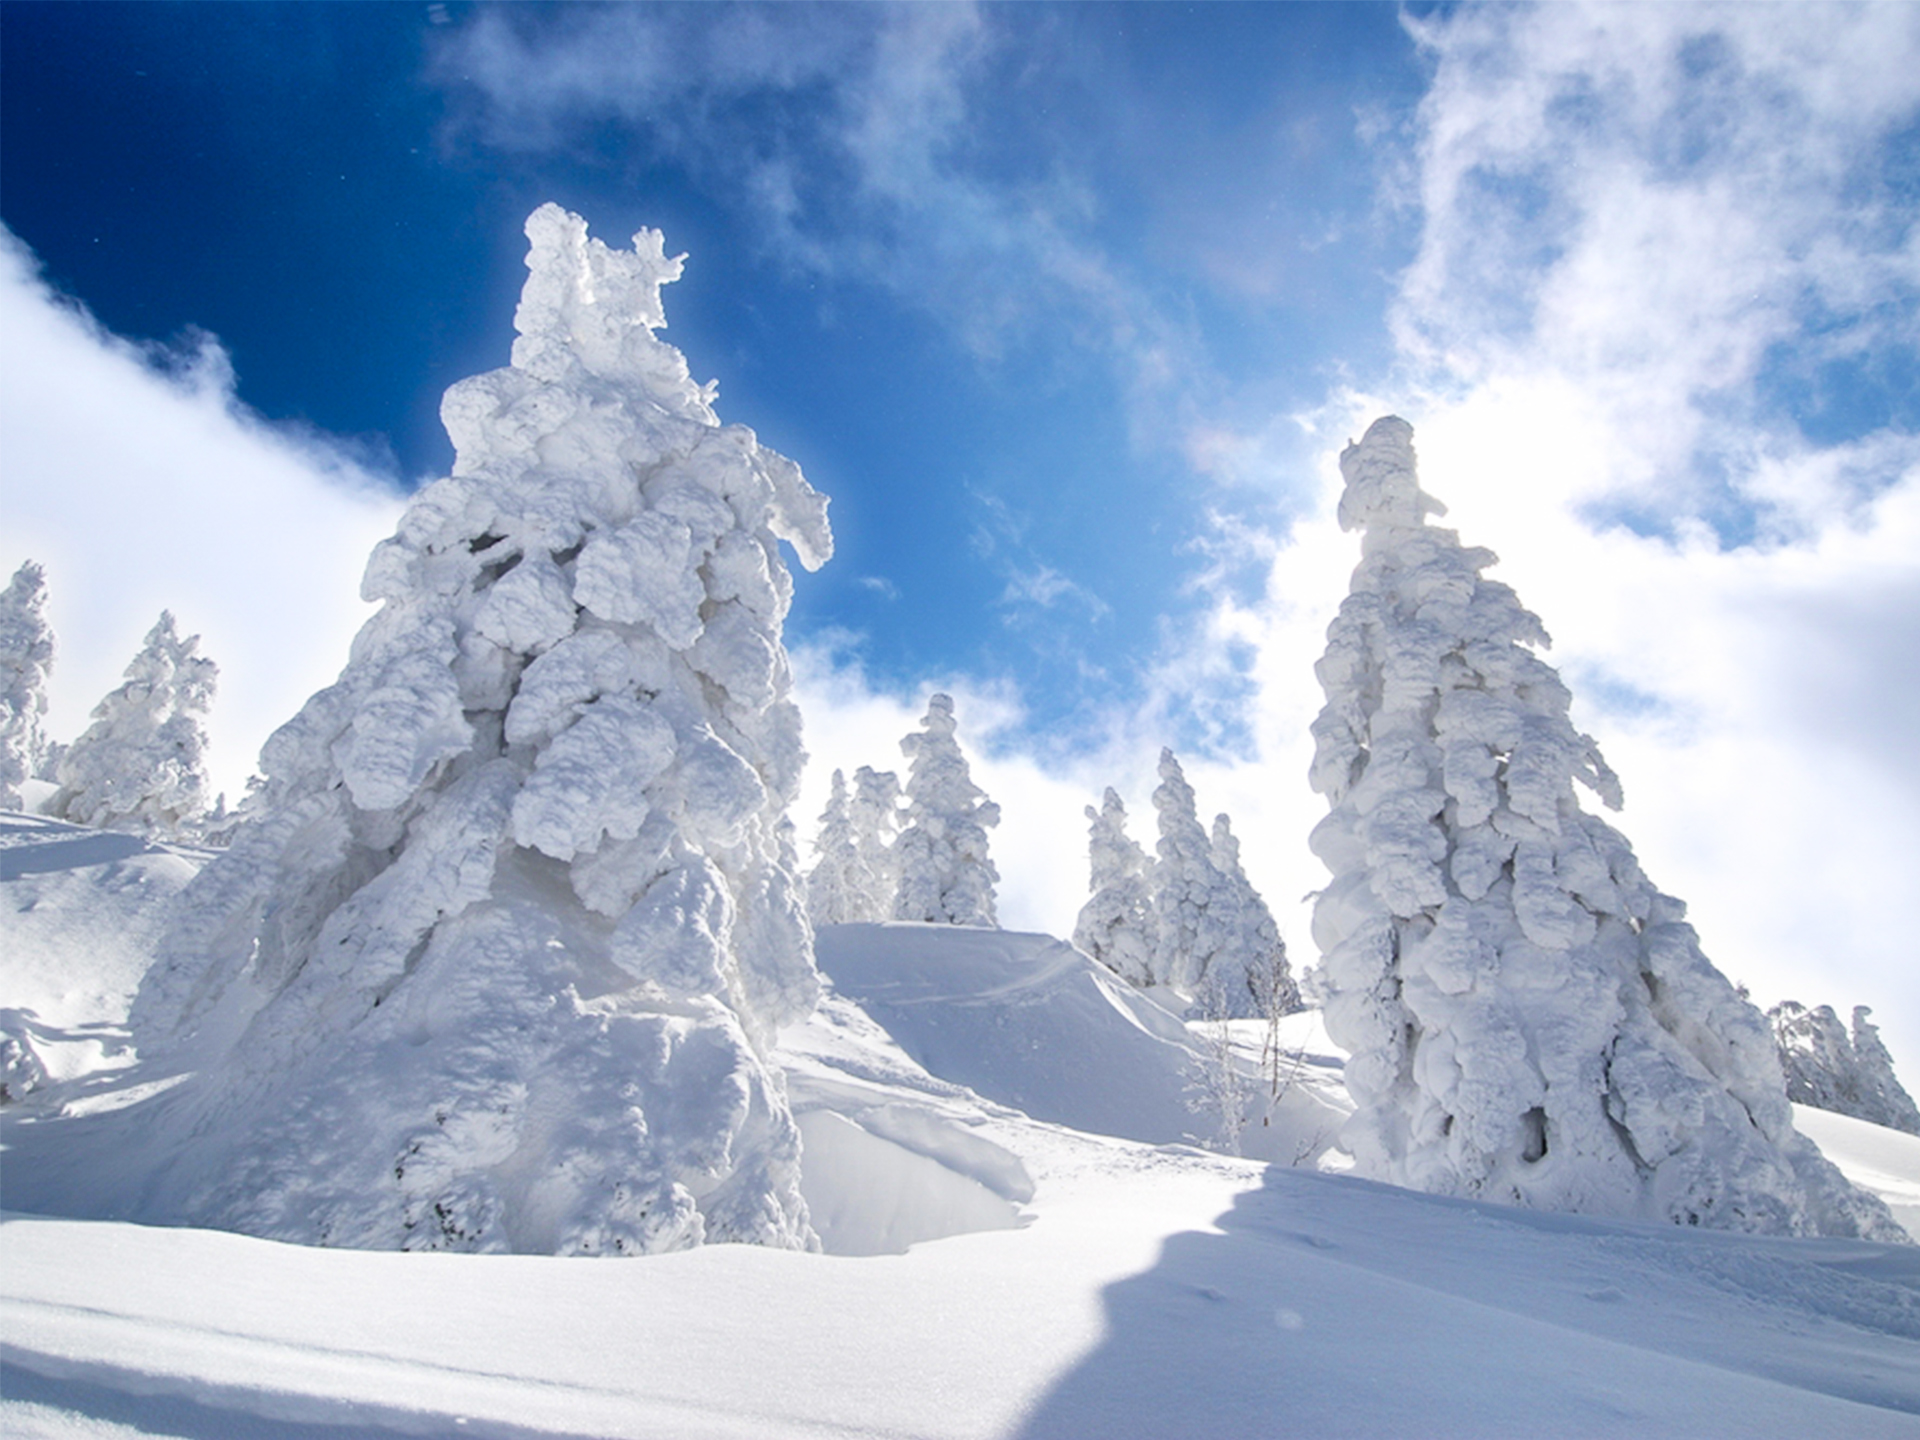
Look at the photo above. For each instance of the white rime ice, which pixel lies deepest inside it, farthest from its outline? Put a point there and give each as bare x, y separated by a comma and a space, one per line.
141, 765
876, 818
1529, 1020
495, 960
946, 876
1851, 1075
1250, 977
1116, 925
26, 657
835, 885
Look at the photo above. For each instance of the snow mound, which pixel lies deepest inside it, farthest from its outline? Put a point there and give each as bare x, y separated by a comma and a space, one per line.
1030, 1022
1877, 1158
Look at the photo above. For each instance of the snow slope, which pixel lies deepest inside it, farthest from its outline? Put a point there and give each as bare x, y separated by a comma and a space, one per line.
1059, 1283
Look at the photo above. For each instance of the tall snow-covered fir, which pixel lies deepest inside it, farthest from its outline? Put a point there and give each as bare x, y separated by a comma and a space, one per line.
141, 764
26, 658
1250, 976
495, 961
835, 885
876, 816
1529, 1020
945, 874
1116, 925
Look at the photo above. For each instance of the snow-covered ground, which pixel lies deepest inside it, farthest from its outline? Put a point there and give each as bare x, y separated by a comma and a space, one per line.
1021, 1246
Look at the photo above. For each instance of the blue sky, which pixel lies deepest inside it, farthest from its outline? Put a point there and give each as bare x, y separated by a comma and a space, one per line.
1069, 308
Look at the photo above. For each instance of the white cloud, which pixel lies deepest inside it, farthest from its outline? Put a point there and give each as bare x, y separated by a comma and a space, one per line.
141, 485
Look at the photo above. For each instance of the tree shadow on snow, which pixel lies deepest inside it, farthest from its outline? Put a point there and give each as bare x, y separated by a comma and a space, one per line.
1326, 1305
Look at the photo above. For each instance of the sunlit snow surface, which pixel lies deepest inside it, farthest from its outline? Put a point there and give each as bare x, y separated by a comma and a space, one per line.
1087, 1285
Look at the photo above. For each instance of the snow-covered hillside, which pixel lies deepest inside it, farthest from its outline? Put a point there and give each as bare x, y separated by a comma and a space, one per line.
1019, 1246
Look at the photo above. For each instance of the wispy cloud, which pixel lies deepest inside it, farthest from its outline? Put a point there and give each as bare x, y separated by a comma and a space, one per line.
136, 478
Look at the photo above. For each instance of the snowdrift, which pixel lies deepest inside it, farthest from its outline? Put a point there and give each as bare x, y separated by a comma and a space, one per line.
1079, 1284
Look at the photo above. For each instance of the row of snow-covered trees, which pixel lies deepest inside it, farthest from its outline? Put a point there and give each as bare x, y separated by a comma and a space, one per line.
141, 764
919, 854
498, 952
1832, 1070
1187, 918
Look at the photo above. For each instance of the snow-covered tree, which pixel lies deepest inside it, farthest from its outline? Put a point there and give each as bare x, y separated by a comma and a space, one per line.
1116, 925
837, 885
496, 959
1528, 1019
1250, 975
875, 815
141, 764
946, 876
1850, 1075
26, 657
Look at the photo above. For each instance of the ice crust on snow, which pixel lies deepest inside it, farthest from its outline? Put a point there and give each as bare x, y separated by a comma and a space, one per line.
1529, 1019
140, 766
497, 958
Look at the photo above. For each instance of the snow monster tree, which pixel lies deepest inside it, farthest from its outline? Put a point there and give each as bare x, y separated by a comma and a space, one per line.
26, 658
1529, 1020
496, 960
945, 874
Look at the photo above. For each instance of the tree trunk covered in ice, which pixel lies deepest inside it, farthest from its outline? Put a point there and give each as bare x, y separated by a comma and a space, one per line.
1529, 1020
496, 959
946, 877
1116, 925
26, 658
141, 765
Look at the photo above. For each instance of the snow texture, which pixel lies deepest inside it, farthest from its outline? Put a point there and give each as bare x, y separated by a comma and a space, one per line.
140, 766
26, 658
1850, 1075
1529, 1021
946, 876
496, 957
1117, 926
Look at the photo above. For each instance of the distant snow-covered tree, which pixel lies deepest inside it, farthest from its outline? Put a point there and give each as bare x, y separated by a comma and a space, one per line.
837, 885
496, 958
946, 876
1528, 1019
1116, 925
875, 815
1850, 1075
26, 657
141, 764
1250, 974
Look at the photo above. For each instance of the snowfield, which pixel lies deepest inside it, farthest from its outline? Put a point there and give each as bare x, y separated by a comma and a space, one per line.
1022, 1242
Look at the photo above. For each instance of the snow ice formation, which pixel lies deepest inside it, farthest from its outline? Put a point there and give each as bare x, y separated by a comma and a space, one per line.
1529, 1020
1849, 1075
1116, 925
141, 765
26, 657
945, 875
497, 958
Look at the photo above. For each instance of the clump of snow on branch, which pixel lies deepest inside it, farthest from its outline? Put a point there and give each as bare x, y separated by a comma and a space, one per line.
141, 765
945, 874
496, 957
26, 658
1116, 926
1529, 1019
1848, 1074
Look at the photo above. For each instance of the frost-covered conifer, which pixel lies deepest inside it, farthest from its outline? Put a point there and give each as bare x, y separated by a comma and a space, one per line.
1195, 904
946, 876
26, 657
837, 885
1116, 925
1250, 976
1529, 1020
495, 961
875, 815
141, 764
1827, 1068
